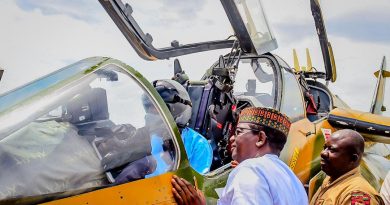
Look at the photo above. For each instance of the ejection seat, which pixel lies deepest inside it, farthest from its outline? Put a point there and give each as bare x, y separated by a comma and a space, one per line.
322, 100
208, 118
89, 112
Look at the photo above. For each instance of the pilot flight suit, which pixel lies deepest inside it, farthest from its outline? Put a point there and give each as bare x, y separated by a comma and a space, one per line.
349, 189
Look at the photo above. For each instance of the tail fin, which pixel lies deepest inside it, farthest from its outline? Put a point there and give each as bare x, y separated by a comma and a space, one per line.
296, 61
308, 61
309, 65
377, 106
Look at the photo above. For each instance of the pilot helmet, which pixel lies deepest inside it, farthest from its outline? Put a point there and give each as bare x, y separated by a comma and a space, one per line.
177, 99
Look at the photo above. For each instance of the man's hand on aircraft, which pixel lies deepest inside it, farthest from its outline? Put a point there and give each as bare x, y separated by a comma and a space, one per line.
185, 193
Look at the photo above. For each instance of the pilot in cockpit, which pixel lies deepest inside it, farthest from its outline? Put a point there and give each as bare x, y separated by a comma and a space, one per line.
197, 147
178, 101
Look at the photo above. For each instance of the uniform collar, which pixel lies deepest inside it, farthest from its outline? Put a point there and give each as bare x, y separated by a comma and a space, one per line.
351, 173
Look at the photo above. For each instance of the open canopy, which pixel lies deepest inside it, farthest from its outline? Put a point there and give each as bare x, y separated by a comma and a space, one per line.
247, 19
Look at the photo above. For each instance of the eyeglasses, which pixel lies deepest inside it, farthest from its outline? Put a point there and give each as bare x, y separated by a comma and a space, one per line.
239, 131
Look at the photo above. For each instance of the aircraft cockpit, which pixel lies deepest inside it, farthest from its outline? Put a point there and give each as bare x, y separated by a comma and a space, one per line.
84, 130
256, 82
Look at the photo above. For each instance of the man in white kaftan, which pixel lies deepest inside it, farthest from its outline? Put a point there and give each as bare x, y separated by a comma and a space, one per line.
263, 180
260, 177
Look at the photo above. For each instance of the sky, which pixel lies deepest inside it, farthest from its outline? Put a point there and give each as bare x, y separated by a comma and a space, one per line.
39, 37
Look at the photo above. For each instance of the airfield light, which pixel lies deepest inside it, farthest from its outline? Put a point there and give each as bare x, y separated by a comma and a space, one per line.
256, 23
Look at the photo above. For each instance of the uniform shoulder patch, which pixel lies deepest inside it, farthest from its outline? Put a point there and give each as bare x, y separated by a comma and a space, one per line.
360, 198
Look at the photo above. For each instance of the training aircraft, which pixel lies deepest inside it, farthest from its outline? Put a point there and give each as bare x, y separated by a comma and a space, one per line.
66, 137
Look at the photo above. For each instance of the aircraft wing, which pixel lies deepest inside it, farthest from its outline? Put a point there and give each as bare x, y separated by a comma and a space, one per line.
374, 127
